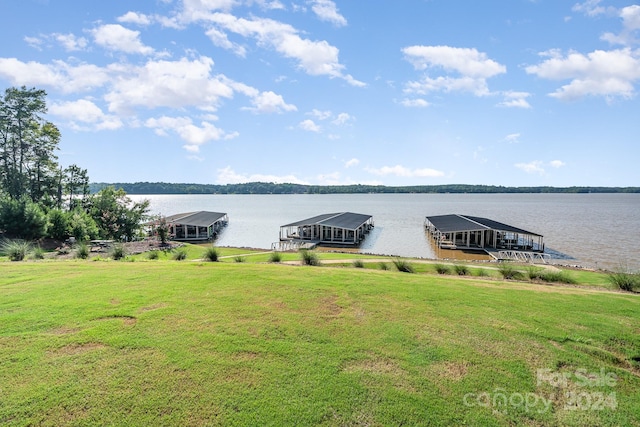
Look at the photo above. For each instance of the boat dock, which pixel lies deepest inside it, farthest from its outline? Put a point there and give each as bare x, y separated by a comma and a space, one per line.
500, 241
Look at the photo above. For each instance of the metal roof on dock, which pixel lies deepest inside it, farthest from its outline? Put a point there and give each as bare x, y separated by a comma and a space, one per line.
198, 219
346, 220
455, 222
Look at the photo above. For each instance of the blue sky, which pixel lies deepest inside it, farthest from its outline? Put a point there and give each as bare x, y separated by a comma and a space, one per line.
410, 92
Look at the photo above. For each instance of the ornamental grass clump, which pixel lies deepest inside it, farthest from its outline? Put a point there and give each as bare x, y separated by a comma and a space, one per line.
461, 270
38, 253
118, 252
239, 258
534, 273
481, 272
15, 250
275, 257
180, 254
551, 276
624, 280
211, 254
309, 258
153, 255
509, 272
82, 251
358, 263
403, 266
442, 268
384, 266
558, 277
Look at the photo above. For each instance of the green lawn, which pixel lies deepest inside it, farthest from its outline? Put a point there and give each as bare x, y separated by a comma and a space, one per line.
197, 343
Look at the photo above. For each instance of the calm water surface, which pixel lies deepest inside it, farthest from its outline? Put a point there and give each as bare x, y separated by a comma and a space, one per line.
596, 230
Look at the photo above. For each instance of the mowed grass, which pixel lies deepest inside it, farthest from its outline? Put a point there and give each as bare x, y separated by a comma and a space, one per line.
197, 343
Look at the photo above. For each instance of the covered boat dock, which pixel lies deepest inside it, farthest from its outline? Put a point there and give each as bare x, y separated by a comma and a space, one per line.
201, 225
476, 233
342, 229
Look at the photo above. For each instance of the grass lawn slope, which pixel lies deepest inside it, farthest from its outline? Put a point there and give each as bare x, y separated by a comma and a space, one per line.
194, 343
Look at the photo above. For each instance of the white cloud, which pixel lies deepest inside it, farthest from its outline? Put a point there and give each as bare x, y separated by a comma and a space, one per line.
71, 42
269, 5
599, 73
535, 166
630, 25
338, 120
314, 57
84, 112
405, 172
341, 119
631, 17
34, 42
199, 10
117, 38
174, 84
592, 8
310, 126
414, 103
512, 138
515, 100
557, 164
193, 135
229, 176
327, 10
269, 102
471, 69
351, 163
135, 18
320, 115
60, 75
220, 39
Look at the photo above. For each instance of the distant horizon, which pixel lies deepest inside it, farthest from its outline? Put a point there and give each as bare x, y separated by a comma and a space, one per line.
327, 92
146, 187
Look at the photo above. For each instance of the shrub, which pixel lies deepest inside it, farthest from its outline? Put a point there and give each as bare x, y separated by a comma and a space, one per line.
58, 224
509, 272
153, 255
403, 266
162, 230
82, 226
559, 276
22, 218
358, 263
624, 280
118, 252
180, 254
461, 270
481, 272
16, 250
38, 253
275, 257
239, 259
384, 266
309, 258
82, 251
211, 254
534, 273
442, 268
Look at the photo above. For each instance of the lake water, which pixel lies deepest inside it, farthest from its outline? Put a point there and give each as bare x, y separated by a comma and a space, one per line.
592, 230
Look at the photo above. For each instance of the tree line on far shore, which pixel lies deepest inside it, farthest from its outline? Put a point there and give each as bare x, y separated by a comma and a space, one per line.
38, 197
288, 188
